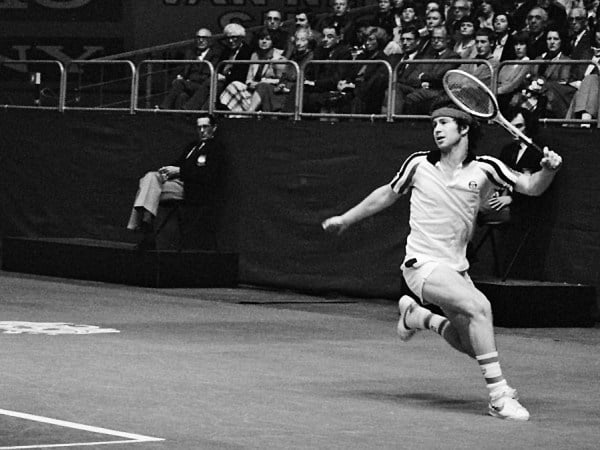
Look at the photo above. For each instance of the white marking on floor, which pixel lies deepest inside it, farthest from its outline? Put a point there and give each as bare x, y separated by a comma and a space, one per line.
131, 438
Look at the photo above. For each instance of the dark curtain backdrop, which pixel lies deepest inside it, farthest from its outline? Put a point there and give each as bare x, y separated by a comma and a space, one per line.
75, 175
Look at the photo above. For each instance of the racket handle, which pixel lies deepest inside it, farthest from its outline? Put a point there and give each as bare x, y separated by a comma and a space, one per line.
516, 132
527, 140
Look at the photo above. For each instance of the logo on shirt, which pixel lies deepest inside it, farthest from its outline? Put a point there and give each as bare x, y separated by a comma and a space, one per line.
473, 185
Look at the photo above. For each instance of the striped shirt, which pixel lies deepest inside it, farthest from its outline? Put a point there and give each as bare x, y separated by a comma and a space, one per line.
444, 207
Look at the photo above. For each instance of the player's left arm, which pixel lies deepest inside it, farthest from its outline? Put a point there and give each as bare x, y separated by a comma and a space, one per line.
536, 183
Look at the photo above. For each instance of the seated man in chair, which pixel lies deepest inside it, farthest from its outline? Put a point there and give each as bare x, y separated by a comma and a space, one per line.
192, 177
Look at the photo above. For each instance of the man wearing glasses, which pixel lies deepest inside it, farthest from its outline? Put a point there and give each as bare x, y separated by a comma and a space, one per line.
273, 21
580, 40
430, 75
191, 77
234, 48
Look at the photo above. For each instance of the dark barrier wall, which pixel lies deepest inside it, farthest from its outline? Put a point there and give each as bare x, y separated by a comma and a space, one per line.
75, 174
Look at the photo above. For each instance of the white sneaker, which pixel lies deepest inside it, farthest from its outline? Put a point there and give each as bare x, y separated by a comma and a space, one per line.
405, 306
506, 406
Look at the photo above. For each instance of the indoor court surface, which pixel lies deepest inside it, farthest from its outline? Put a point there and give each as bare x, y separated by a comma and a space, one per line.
257, 369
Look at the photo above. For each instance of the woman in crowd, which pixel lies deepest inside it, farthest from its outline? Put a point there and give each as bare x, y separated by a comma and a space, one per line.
586, 101
465, 44
511, 77
505, 44
237, 95
365, 89
271, 97
558, 78
486, 13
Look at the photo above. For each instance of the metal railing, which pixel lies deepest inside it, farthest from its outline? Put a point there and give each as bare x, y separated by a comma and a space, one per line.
103, 85
538, 62
134, 78
357, 62
34, 86
452, 63
150, 77
215, 83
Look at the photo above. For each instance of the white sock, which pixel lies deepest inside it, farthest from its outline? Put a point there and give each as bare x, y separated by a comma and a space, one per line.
422, 319
490, 368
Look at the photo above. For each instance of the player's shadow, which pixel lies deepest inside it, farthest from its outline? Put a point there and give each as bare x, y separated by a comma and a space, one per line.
428, 400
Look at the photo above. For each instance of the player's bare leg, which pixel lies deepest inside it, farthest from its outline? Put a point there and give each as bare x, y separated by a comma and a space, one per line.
470, 315
413, 317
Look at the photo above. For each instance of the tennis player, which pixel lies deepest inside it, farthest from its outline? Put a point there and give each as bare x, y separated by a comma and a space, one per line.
447, 186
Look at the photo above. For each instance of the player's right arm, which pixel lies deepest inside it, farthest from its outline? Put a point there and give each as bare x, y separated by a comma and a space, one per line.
381, 198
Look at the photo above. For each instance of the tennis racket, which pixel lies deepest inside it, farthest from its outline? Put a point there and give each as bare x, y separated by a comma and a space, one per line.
474, 97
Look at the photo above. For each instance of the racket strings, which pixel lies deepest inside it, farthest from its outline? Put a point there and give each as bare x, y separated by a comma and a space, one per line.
470, 95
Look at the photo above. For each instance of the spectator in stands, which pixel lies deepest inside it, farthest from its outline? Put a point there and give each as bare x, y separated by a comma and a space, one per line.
276, 97
365, 84
458, 10
580, 43
537, 22
519, 12
193, 176
592, 9
320, 84
274, 23
557, 16
504, 48
558, 77
434, 18
397, 15
465, 38
191, 77
484, 43
410, 17
431, 75
304, 18
485, 13
235, 48
384, 17
434, 6
408, 75
236, 95
340, 19
511, 78
585, 104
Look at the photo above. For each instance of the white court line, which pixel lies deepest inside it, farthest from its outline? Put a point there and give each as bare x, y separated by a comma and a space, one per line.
131, 437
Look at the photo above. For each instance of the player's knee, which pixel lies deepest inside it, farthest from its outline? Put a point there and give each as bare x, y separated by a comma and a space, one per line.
483, 307
478, 307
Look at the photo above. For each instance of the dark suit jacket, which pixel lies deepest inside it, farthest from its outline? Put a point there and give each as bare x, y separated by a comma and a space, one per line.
326, 76
519, 14
409, 73
344, 23
530, 160
583, 50
554, 72
536, 46
236, 72
508, 52
199, 72
201, 170
433, 73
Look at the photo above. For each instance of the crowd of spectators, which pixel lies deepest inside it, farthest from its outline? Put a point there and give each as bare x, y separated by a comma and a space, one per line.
403, 33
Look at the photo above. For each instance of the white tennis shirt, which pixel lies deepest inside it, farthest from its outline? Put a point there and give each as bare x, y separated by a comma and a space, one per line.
444, 207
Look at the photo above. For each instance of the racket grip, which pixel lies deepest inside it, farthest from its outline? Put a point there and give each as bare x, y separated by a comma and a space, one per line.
527, 140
